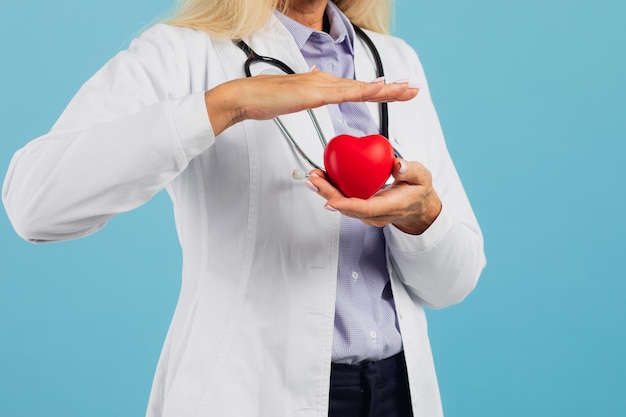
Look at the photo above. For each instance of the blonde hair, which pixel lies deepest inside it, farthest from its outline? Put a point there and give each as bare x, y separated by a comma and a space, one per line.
235, 19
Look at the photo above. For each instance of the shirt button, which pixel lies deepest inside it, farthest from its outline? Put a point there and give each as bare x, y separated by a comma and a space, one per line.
373, 335
355, 275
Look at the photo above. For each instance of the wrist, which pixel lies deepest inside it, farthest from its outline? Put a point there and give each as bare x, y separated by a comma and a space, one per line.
416, 225
223, 107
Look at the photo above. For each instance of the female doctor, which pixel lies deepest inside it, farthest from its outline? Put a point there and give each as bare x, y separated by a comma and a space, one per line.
295, 301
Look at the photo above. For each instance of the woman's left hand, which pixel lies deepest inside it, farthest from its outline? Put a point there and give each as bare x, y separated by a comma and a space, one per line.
410, 203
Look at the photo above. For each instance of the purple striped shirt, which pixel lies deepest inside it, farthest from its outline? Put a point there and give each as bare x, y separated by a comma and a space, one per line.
366, 327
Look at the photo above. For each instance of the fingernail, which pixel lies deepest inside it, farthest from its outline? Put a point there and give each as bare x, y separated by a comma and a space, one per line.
330, 208
311, 187
313, 174
402, 81
415, 85
379, 80
403, 167
313, 68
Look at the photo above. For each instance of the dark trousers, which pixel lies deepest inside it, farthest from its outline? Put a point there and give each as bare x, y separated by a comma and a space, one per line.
375, 389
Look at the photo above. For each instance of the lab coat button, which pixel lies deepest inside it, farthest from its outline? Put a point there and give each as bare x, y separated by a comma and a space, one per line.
355, 275
399, 140
373, 335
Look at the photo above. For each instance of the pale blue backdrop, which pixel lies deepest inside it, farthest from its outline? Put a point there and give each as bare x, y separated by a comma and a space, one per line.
532, 97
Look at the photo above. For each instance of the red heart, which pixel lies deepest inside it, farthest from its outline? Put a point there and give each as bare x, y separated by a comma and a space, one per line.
358, 167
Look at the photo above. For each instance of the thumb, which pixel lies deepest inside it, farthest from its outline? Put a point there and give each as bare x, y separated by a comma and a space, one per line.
410, 172
400, 170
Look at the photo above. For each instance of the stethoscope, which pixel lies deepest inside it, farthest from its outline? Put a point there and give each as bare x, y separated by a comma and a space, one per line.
253, 58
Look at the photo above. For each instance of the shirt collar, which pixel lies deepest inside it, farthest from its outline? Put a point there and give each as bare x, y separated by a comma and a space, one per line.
341, 29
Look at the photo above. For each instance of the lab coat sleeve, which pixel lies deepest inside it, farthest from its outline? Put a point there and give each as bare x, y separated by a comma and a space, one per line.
441, 266
128, 132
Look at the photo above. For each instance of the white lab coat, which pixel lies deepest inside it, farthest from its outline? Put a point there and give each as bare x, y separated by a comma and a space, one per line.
252, 331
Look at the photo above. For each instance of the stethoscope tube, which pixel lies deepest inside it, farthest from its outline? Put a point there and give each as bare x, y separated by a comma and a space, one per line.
294, 143
380, 72
253, 57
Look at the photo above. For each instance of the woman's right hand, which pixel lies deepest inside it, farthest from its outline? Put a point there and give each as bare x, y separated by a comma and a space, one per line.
266, 96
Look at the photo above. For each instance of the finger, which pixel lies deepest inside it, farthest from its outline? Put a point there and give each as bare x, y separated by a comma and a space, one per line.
342, 90
358, 208
322, 186
411, 172
296, 92
409, 94
389, 202
400, 90
317, 172
394, 92
357, 91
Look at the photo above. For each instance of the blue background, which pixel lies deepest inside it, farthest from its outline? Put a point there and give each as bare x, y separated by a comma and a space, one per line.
532, 98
